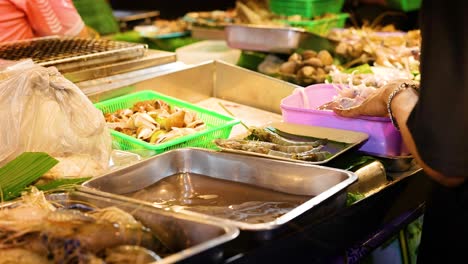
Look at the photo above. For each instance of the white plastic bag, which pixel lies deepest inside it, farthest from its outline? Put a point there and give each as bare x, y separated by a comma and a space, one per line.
42, 111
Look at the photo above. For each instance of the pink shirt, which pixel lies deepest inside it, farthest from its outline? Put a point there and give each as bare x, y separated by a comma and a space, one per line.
23, 19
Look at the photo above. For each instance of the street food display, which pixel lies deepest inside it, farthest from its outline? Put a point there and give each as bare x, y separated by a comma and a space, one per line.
139, 161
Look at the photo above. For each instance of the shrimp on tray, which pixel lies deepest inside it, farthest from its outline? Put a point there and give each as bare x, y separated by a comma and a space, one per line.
269, 143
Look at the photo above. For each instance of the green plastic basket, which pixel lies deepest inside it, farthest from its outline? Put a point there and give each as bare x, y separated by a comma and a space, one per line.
218, 125
405, 5
320, 26
306, 8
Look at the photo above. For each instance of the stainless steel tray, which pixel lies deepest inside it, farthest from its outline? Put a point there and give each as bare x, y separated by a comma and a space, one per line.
274, 39
340, 140
197, 240
315, 182
208, 33
371, 179
132, 15
152, 58
395, 163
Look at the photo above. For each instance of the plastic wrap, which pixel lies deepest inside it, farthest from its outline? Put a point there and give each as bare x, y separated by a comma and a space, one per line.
43, 111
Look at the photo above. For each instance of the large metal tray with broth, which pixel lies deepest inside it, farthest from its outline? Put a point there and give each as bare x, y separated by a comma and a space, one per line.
255, 194
188, 239
337, 141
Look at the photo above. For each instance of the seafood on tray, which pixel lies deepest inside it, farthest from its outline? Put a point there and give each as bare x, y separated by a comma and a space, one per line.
348, 96
36, 230
356, 84
264, 141
154, 121
392, 48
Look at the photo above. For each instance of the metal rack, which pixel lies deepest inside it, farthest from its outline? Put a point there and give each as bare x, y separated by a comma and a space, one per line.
70, 53
82, 59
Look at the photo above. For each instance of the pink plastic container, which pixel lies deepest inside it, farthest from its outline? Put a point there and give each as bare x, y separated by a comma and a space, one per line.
384, 139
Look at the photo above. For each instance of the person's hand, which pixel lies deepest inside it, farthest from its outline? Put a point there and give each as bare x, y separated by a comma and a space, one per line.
374, 105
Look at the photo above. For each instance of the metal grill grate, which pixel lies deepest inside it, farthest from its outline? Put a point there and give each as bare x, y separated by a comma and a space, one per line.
47, 50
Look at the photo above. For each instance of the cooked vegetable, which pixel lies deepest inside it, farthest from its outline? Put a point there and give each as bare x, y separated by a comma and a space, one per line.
353, 197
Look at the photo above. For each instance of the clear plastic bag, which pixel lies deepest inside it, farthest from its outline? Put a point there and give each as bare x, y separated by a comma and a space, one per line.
43, 111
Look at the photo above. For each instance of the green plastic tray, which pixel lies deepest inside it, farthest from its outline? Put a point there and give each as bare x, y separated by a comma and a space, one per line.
405, 5
320, 26
218, 125
306, 8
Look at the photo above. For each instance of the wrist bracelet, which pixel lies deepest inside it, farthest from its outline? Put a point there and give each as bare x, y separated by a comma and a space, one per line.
400, 88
